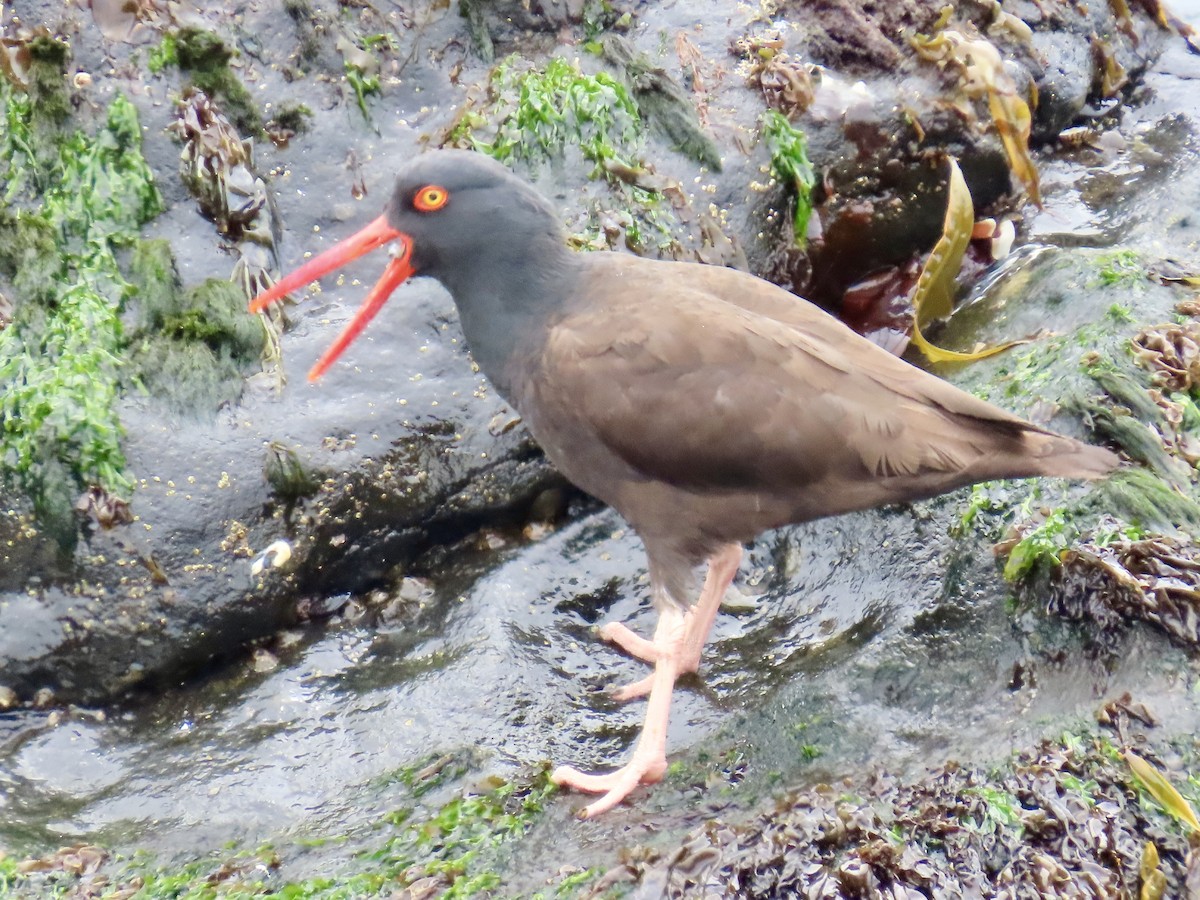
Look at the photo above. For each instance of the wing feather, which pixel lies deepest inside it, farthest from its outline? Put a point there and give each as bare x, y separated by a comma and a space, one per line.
690, 389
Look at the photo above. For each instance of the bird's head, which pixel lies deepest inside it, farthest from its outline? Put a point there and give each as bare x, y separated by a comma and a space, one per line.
449, 210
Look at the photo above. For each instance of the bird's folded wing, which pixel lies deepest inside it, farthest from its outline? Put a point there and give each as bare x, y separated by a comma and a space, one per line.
706, 393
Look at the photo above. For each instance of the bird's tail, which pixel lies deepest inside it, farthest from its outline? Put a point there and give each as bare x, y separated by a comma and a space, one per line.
1063, 457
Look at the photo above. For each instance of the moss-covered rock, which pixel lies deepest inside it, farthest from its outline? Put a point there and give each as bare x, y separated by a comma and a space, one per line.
194, 345
68, 216
205, 57
47, 90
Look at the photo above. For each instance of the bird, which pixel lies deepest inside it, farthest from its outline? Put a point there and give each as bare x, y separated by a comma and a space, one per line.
705, 404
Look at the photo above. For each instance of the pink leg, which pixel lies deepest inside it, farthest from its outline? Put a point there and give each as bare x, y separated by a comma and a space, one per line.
722, 567
678, 641
649, 762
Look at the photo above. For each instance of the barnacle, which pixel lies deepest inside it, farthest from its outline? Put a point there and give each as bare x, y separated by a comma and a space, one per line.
217, 166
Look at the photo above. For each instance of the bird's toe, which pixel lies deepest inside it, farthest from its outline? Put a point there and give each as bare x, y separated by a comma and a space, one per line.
639, 688
634, 644
570, 777
615, 785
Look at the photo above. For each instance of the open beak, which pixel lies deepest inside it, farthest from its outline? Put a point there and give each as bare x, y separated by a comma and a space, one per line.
373, 236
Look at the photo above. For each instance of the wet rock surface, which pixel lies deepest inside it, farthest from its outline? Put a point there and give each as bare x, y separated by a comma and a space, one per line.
436, 588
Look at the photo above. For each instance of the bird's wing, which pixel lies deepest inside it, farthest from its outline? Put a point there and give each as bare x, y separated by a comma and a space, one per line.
696, 391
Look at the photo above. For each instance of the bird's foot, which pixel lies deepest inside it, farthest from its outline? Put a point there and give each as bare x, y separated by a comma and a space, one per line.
649, 762
647, 768
685, 654
684, 642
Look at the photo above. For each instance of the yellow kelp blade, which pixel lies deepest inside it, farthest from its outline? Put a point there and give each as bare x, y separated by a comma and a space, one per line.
1013, 122
983, 74
934, 296
1154, 880
1162, 790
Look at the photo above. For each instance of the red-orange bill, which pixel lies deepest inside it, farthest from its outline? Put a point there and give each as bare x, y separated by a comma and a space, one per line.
373, 236
393, 276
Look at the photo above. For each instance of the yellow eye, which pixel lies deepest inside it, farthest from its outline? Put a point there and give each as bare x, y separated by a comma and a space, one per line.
430, 198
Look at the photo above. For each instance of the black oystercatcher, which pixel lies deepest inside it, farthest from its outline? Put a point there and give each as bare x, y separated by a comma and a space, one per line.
705, 404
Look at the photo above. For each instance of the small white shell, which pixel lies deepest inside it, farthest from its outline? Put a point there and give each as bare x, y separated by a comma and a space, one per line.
1002, 243
274, 556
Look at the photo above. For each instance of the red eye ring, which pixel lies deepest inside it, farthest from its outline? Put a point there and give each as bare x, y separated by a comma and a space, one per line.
430, 198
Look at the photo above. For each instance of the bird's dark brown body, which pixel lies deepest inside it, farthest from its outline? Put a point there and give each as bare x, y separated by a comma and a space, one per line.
708, 406
704, 404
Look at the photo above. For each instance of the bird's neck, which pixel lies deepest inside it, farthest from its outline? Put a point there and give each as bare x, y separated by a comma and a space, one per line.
506, 301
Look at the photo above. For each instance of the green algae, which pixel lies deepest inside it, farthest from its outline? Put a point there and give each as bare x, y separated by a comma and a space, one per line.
1144, 500
9, 876
572, 886
190, 347
1126, 387
1041, 546
363, 84
47, 93
790, 164
1104, 554
29, 256
1119, 314
1127, 416
430, 772
662, 102
165, 54
67, 216
1121, 268
1133, 501
205, 57
290, 480
1089, 381
1023, 377
535, 117
154, 278
450, 849
293, 117
599, 16
454, 841
985, 509
1001, 811
537, 113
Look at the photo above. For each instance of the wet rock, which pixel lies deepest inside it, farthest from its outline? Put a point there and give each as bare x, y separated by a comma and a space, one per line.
844, 36
122, 20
